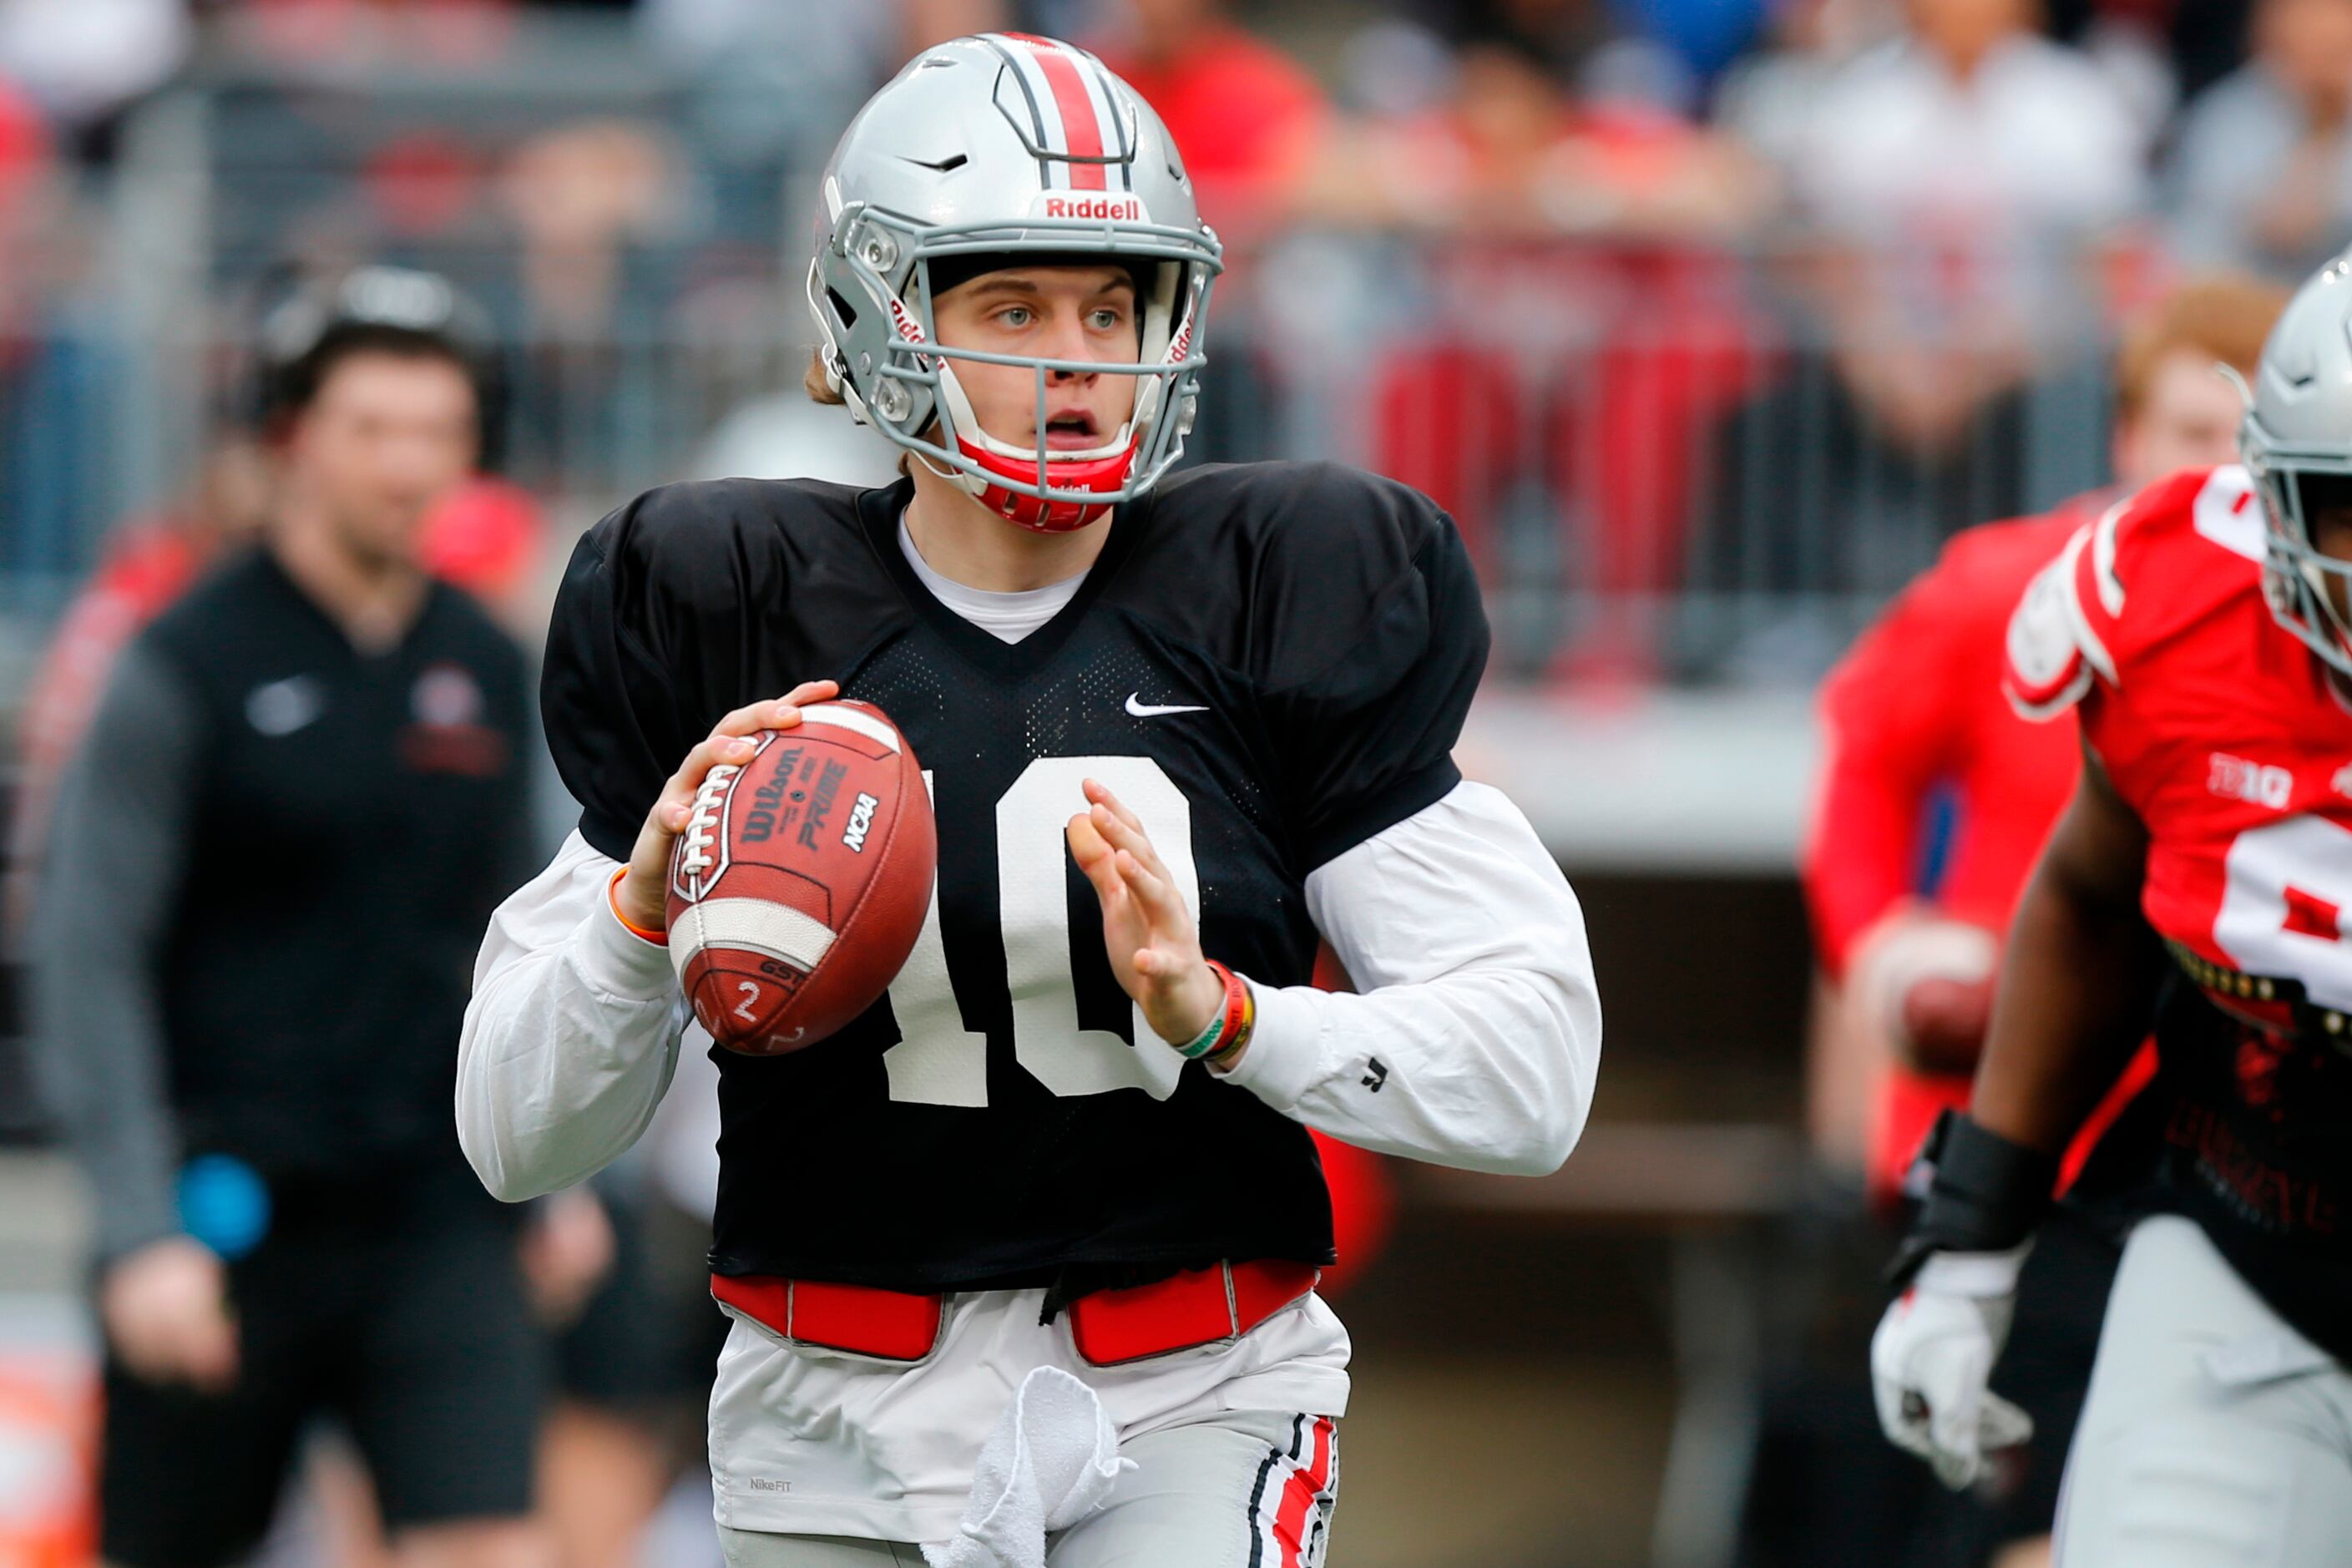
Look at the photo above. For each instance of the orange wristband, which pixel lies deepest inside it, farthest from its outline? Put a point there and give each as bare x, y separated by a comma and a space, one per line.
612, 895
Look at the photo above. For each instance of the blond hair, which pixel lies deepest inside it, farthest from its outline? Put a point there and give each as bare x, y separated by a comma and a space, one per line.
819, 388
819, 385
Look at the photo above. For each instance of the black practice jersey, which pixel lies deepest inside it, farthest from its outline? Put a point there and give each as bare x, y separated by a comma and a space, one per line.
1269, 664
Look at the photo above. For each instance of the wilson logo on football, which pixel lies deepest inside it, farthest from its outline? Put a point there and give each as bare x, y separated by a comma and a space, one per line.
768, 807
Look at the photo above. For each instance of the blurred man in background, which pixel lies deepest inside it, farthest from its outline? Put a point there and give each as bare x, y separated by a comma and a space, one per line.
486, 536
2263, 176
1952, 174
301, 794
1928, 768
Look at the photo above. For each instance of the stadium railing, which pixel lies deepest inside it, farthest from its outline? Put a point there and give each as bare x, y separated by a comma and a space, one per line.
1656, 455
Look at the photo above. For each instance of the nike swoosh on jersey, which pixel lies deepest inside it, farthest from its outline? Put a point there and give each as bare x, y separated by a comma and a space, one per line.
1154, 709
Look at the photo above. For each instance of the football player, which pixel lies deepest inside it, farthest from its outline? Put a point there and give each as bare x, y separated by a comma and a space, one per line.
1176, 724
2199, 630
1917, 708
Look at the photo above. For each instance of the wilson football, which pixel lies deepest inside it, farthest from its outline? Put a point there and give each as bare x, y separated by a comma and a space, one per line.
801, 881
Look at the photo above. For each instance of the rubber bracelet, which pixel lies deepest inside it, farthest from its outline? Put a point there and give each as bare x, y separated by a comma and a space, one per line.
613, 897
1227, 1024
1234, 1043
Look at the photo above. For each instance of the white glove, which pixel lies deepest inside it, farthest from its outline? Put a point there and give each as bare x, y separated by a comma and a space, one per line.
1932, 1355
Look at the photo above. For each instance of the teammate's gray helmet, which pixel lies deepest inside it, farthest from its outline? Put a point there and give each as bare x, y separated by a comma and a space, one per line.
1006, 144
2299, 423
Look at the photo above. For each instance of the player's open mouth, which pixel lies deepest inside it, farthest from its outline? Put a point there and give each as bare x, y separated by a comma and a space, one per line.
1072, 432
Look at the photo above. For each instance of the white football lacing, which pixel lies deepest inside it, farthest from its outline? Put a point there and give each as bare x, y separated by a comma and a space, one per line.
701, 828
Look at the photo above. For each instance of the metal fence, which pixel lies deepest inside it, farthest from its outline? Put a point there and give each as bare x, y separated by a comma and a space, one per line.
1657, 455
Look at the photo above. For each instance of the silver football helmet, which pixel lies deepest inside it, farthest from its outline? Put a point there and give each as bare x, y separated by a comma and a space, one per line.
1006, 144
2298, 426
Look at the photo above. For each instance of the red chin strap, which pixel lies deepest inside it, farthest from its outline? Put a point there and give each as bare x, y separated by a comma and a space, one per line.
1101, 475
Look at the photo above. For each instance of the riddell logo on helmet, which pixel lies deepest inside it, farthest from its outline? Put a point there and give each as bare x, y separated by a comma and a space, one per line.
1099, 209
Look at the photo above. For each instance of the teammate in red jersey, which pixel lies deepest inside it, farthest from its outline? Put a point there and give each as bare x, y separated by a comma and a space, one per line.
2200, 632
1915, 708
1915, 712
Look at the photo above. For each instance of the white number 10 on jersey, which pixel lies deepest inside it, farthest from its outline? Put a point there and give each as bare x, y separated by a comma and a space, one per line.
937, 1061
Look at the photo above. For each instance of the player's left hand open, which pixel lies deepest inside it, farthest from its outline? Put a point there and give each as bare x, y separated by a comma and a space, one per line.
1148, 931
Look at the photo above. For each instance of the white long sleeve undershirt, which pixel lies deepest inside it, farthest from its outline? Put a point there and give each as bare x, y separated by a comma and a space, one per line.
1475, 1041
1474, 1035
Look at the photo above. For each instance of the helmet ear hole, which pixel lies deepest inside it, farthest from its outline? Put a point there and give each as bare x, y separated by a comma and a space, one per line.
842, 308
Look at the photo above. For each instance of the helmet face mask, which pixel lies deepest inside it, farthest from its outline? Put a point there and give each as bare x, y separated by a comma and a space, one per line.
2303, 584
2296, 443
993, 196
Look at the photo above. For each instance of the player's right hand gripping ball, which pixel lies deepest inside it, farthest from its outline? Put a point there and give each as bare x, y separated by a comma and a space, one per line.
801, 881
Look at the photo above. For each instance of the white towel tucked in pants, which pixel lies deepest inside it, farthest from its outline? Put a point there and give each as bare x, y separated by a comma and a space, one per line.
1202, 1496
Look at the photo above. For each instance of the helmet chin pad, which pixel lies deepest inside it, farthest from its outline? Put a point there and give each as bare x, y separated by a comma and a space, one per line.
1102, 470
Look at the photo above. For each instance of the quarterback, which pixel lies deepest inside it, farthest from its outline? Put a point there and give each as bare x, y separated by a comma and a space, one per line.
1175, 726
2199, 878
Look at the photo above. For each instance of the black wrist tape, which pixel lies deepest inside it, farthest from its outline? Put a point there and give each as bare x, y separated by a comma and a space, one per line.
1986, 1196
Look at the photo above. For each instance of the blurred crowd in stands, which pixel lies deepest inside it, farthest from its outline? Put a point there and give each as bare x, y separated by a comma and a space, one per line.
1677, 304
1709, 319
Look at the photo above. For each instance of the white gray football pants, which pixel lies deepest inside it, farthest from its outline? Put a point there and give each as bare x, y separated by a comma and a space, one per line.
2213, 1433
1234, 1493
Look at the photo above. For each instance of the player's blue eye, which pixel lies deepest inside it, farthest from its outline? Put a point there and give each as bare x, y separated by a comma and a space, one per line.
1107, 319
1015, 316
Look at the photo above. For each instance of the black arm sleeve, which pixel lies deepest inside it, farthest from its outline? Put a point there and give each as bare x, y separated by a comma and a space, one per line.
1374, 676
117, 851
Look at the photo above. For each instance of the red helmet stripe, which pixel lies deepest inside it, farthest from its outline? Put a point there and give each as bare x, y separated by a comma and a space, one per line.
1079, 126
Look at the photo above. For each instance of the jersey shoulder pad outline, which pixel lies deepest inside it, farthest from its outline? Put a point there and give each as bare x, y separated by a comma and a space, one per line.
2049, 651
1301, 564
2183, 548
695, 515
2147, 566
1313, 516
710, 548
